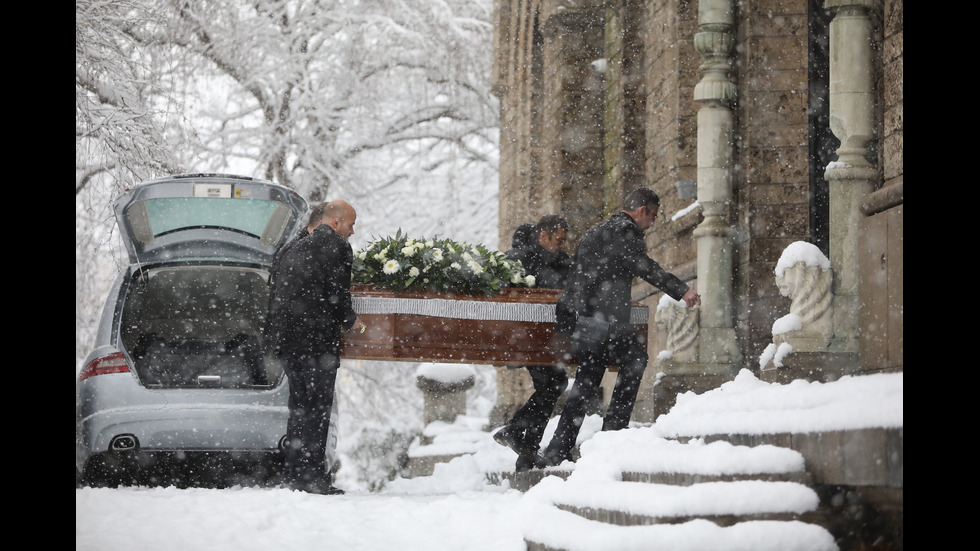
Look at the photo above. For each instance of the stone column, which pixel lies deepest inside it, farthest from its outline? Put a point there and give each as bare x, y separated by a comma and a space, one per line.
717, 356
716, 93
852, 176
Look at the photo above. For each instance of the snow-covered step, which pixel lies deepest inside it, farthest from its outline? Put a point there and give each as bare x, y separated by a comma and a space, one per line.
645, 455
630, 503
665, 494
548, 528
686, 479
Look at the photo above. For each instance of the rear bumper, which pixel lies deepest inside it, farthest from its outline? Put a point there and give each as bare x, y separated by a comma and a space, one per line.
234, 430
201, 420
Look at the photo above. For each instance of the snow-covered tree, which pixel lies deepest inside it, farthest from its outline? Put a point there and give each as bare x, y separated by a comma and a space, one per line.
386, 103
314, 94
120, 124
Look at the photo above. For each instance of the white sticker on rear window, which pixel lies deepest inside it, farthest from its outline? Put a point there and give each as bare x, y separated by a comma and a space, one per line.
212, 190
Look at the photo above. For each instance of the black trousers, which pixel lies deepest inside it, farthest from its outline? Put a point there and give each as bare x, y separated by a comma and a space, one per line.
623, 350
311, 393
531, 419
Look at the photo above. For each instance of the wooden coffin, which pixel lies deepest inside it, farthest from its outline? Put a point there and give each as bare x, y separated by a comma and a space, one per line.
515, 327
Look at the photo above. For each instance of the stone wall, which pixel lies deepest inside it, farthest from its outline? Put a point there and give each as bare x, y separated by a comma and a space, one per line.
669, 71
517, 81
892, 77
575, 139
572, 106
772, 186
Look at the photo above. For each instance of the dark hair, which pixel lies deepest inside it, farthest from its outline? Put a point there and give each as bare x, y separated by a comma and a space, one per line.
317, 213
522, 236
551, 223
641, 197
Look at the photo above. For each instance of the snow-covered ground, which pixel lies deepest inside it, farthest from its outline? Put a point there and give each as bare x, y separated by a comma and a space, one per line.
457, 510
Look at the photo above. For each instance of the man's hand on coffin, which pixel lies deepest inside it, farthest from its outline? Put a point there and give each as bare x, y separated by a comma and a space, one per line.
359, 325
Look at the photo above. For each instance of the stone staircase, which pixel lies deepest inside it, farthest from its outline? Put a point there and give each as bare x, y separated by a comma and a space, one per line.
845, 494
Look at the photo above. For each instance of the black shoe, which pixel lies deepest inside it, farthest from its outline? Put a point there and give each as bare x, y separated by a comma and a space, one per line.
550, 459
506, 437
321, 488
526, 463
324, 489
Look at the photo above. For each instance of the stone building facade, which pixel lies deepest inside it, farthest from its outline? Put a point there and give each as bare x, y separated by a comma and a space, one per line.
788, 116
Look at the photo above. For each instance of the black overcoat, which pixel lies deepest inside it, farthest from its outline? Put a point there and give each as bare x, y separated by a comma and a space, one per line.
609, 256
309, 296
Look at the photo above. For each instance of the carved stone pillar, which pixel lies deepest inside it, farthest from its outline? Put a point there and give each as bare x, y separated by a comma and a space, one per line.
715, 93
852, 176
718, 355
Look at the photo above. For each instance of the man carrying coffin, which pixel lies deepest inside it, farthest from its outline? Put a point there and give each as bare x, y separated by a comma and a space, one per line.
541, 250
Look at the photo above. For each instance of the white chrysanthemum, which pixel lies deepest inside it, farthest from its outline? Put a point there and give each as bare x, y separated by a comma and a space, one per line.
465, 259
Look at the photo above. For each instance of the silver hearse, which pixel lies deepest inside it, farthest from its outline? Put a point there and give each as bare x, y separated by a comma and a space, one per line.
178, 389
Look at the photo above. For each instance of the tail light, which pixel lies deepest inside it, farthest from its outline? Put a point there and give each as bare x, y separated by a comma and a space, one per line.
113, 363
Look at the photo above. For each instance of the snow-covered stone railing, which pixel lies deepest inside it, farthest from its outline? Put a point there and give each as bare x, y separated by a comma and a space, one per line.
803, 274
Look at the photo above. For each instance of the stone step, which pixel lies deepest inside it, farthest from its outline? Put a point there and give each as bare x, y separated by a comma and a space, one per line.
777, 511
625, 518
687, 479
695, 487
856, 457
698, 535
678, 463
636, 503
524, 481
650, 517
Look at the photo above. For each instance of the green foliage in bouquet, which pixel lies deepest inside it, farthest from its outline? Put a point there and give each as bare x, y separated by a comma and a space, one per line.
401, 263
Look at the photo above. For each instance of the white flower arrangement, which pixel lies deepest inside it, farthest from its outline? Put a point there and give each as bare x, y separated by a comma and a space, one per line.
401, 263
